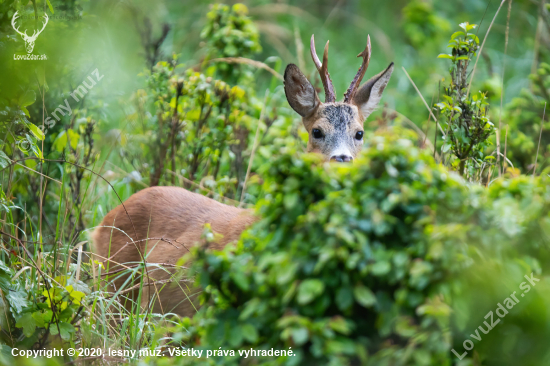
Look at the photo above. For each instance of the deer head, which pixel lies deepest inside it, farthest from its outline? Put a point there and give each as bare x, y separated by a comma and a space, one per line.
335, 128
29, 40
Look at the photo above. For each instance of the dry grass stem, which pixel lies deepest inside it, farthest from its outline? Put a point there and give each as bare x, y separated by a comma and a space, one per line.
254, 147
426, 104
540, 136
481, 48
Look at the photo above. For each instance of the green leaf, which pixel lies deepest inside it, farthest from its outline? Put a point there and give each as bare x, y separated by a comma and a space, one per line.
249, 333
381, 268
17, 297
235, 336
38, 316
240, 279
6, 357
300, 336
444, 55
340, 325
50, 6
27, 322
364, 296
456, 34
65, 330
37, 132
309, 290
4, 160
27, 99
76, 295
60, 142
446, 147
73, 138
344, 298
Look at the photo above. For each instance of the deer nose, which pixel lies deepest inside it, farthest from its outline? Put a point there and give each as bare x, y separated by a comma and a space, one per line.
341, 158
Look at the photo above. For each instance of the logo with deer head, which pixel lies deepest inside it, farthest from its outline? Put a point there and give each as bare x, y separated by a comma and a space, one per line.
29, 40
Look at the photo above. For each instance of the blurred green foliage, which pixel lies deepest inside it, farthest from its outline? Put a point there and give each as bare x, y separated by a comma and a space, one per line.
524, 114
394, 260
391, 261
229, 32
421, 22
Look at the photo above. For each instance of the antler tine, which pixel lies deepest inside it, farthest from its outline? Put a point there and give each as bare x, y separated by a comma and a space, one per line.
15, 16
316, 60
359, 76
330, 95
35, 34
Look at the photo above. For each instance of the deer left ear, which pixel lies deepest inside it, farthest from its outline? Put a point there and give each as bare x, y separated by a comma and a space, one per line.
368, 96
299, 92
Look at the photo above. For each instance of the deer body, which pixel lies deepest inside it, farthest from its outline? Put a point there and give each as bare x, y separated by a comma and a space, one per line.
175, 215
173, 218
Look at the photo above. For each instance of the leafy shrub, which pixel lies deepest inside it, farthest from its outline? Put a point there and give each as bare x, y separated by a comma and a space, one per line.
465, 119
35, 312
393, 260
340, 267
193, 121
229, 32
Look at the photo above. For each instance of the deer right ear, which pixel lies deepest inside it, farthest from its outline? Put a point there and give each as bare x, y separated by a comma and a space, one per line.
368, 96
299, 92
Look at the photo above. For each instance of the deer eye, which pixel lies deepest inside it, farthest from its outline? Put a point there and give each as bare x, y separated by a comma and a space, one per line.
359, 135
317, 133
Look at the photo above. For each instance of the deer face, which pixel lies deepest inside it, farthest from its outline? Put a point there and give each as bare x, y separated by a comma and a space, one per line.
335, 128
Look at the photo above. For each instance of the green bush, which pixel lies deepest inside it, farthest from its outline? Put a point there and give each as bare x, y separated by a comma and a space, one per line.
390, 261
340, 267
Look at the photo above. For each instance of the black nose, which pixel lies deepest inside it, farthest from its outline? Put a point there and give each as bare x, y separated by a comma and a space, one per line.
341, 158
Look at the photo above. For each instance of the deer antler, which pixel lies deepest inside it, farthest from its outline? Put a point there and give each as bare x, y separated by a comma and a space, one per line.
35, 34
15, 16
330, 95
359, 76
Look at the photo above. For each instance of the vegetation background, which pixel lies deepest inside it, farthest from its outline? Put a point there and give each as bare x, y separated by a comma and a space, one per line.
190, 94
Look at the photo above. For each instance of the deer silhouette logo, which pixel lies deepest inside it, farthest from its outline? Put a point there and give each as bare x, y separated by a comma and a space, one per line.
29, 40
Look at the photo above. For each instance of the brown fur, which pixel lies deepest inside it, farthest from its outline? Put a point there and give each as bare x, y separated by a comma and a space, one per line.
170, 213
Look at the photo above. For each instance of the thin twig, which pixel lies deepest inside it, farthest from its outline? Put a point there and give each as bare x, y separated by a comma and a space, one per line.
247, 61
413, 126
254, 147
426, 104
481, 48
505, 145
502, 85
41, 174
538, 34
540, 136
435, 132
428, 124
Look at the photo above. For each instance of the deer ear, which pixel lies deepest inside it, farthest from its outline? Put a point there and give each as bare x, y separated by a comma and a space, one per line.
368, 96
299, 92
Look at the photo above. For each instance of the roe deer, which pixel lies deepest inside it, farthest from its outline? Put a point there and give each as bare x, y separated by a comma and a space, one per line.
159, 224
